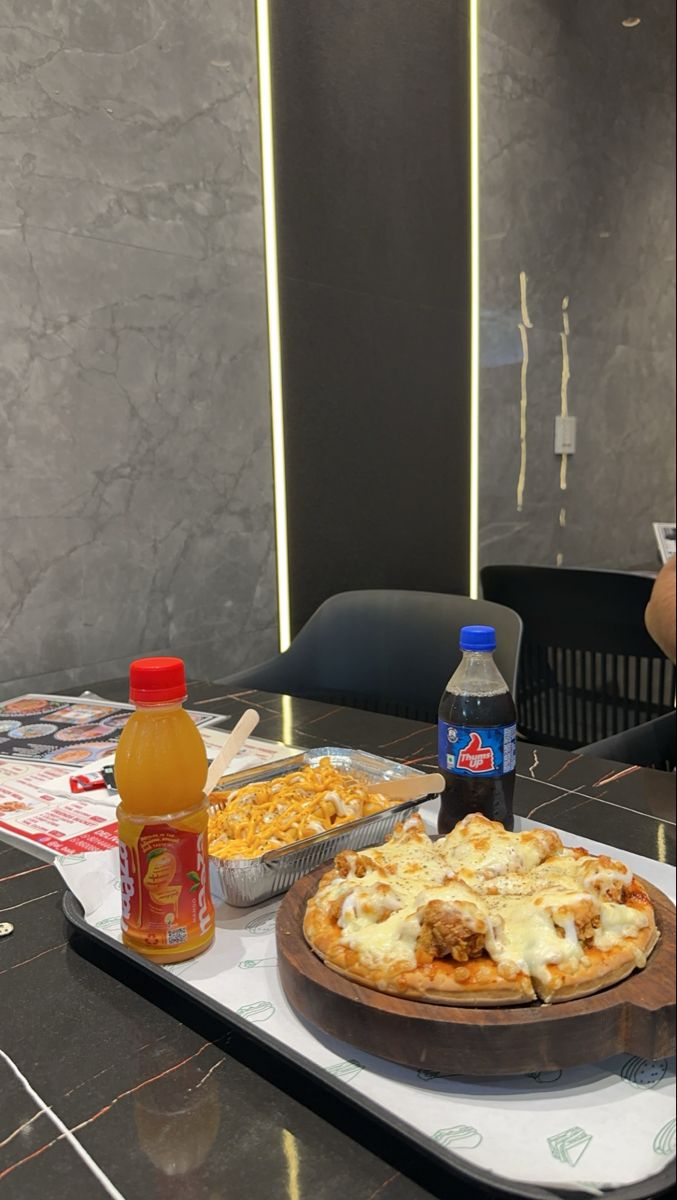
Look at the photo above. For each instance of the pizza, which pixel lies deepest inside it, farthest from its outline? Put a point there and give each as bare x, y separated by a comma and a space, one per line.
480, 917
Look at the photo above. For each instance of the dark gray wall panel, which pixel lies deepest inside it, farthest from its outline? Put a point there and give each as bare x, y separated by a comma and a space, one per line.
374, 499
371, 134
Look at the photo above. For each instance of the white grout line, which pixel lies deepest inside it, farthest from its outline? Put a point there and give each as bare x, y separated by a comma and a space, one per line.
598, 800
638, 811
21, 1128
553, 800
64, 1131
23, 904
211, 1070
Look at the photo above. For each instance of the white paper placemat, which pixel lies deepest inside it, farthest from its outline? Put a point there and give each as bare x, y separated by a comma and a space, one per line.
606, 1125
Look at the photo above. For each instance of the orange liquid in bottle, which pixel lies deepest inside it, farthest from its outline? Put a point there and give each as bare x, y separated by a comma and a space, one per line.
160, 773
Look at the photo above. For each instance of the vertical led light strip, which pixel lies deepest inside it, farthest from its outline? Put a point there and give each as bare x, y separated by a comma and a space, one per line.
273, 300
474, 296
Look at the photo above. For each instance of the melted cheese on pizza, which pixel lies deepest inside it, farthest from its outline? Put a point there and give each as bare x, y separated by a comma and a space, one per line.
483, 850
530, 934
617, 922
521, 898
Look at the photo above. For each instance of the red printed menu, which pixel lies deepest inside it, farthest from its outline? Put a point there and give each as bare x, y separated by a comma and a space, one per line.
63, 826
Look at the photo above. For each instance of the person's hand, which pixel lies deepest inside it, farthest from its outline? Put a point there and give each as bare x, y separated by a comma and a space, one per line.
661, 614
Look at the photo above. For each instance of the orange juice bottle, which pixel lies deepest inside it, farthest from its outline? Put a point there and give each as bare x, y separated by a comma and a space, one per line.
160, 773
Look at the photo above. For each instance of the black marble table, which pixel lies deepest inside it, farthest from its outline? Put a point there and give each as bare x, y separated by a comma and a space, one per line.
163, 1099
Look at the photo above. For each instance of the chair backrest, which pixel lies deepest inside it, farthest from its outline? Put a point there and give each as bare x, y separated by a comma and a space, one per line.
385, 651
588, 668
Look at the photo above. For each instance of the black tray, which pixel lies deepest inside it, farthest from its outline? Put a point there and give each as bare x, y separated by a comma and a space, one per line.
648, 1189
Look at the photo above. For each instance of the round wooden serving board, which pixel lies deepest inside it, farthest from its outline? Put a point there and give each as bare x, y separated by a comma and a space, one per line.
636, 1015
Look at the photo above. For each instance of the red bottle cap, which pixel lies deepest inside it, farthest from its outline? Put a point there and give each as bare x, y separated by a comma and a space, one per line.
157, 680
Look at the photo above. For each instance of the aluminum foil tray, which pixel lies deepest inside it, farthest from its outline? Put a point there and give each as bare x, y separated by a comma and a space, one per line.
246, 881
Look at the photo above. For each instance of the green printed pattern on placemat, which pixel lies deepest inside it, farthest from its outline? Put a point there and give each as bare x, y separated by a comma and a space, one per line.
263, 923
259, 1010
459, 1137
664, 1141
108, 923
570, 1145
347, 1069
643, 1073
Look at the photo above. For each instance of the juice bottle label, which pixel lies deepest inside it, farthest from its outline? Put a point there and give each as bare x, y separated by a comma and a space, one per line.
166, 902
488, 752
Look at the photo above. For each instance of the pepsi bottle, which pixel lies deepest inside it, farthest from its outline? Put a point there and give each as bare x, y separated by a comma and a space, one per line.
477, 734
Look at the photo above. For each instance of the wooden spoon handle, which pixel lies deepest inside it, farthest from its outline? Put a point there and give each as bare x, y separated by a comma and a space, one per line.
411, 787
234, 742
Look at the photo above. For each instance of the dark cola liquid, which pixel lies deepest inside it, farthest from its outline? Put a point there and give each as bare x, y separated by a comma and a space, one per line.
465, 794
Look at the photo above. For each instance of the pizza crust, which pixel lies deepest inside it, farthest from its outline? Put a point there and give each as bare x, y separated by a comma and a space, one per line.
603, 970
420, 985
365, 915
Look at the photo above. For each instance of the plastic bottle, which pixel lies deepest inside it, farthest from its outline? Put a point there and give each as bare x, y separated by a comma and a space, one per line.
477, 735
160, 772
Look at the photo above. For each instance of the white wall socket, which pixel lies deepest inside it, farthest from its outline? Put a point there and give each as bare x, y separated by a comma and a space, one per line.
565, 435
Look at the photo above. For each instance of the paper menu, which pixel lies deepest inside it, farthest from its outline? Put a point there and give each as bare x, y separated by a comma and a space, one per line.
35, 815
67, 731
37, 774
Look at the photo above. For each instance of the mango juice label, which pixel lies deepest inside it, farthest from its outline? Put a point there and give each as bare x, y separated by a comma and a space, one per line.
164, 879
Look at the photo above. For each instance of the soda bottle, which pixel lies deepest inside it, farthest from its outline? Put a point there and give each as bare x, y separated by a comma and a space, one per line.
476, 735
160, 772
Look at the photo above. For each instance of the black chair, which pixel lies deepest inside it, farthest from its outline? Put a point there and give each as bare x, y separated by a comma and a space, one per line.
653, 744
383, 651
588, 668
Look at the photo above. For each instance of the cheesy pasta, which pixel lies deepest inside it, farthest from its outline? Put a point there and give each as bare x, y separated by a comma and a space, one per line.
277, 812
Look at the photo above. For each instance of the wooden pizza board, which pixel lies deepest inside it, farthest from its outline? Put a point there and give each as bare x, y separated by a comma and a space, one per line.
636, 1015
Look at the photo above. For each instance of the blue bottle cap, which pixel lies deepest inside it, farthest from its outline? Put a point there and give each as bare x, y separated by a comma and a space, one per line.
478, 637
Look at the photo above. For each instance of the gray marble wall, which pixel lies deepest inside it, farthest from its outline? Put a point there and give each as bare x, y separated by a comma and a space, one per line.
577, 154
135, 460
